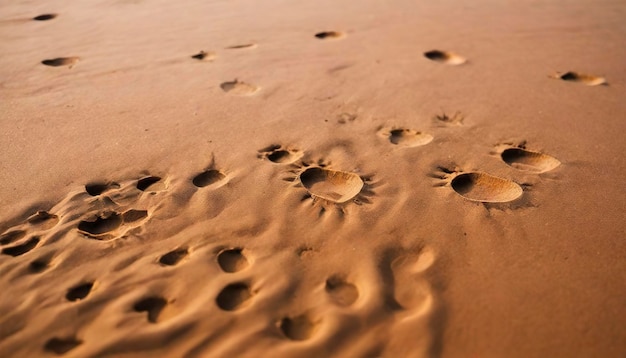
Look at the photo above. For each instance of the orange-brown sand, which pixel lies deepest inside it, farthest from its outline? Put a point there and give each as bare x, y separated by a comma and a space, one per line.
312, 179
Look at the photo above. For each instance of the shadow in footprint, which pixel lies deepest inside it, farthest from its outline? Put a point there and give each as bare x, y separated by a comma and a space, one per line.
298, 328
133, 215
21, 249
61, 61
45, 17
276, 154
39, 265
207, 178
79, 292
43, 219
234, 296
408, 138
11, 236
529, 161
325, 35
95, 189
144, 184
173, 257
331, 185
341, 292
101, 224
448, 58
204, 56
60, 346
589, 80
485, 188
237, 47
232, 260
153, 306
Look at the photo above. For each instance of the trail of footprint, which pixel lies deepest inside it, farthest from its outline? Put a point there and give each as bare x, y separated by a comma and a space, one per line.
332, 185
448, 58
326, 35
408, 138
232, 260
589, 80
239, 88
298, 328
204, 56
61, 61
340, 291
276, 154
234, 297
45, 17
79, 292
527, 160
486, 188
61, 346
174, 257
23, 248
153, 306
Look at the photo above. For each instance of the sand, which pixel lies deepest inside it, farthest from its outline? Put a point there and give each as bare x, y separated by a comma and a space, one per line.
312, 179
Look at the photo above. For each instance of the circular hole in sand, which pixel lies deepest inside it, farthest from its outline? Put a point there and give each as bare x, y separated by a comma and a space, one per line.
486, 188
233, 296
232, 260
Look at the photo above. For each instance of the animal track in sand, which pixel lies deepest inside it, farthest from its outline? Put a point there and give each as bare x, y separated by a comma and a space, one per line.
298, 328
39, 265
61, 346
204, 56
95, 189
589, 80
277, 154
332, 185
23, 248
61, 61
79, 292
44, 220
239, 88
208, 177
325, 35
153, 306
486, 188
173, 257
11, 236
341, 292
45, 17
454, 120
234, 296
146, 183
408, 138
101, 224
527, 160
232, 260
449, 58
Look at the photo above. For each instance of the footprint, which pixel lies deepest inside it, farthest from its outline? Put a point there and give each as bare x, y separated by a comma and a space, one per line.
152, 305
239, 88
45, 17
148, 182
61, 346
332, 185
101, 224
237, 47
95, 189
133, 215
408, 138
208, 177
298, 328
232, 260
486, 188
234, 296
345, 117
39, 265
205, 56
11, 236
61, 61
79, 292
276, 154
449, 58
589, 80
454, 120
341, 292
529, 161
324, 35
44, 220
21, 249
173, 257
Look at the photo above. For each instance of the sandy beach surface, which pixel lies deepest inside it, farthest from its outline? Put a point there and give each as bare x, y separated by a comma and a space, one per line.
312, 179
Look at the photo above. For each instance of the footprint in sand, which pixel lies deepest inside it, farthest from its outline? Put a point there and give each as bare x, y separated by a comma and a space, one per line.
23, 248
277, 154
527, 160
98, 188
328, 35
61, 61
232, 260
234, 297
39, 265
298, 328
11, 236
239, 47
204, 56
239, 88
589, 80
153, 306
173, 257
208, 177
45, 17
408, 138
480, 187
79, 292
449, 120
448, 58
61, 346
153, 183
103, 226
340, 291
44, 220
331, 185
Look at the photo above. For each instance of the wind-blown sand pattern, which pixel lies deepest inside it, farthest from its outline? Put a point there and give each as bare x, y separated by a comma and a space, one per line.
312, 179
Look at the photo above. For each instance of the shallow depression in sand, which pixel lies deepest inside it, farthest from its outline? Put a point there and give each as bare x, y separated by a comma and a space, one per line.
449, 58
589, 80
332, 185
530, 161
239, 88
409, 138
485, 188
61, 61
